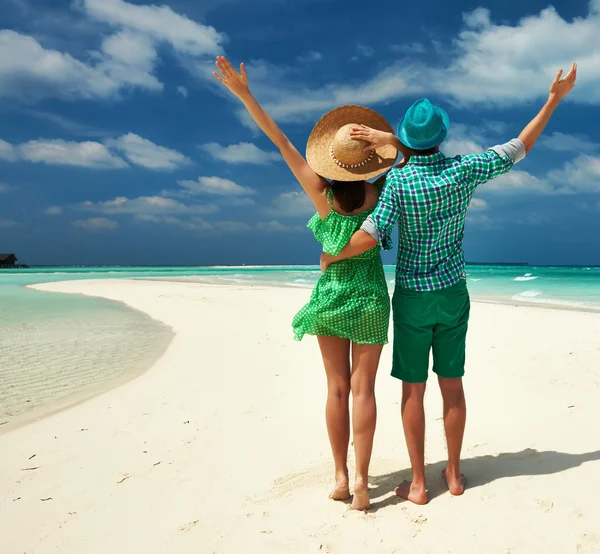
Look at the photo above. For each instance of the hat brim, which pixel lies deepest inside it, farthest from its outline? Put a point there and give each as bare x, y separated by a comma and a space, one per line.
436, 141
317, 148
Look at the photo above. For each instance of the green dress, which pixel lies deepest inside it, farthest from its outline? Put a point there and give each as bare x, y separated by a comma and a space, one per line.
351, 298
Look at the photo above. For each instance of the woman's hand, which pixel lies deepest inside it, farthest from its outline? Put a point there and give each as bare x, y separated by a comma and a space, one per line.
376, 138
236, 82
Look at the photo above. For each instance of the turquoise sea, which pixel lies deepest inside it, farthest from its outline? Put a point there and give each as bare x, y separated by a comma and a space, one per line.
56, 349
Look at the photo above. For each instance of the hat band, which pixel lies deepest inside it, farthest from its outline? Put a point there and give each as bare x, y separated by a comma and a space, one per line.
351, 166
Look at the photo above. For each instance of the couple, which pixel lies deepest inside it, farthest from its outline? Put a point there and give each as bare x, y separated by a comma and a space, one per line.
428, 194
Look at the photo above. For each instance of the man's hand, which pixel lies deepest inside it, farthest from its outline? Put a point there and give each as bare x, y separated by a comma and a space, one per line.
558, 90
376, 138
326, 261
561, 87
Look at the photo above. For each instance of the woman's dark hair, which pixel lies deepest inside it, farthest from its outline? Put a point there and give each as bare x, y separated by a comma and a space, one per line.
349, 194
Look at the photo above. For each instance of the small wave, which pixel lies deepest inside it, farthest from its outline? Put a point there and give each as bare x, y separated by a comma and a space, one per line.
555, 302
475, 280
528, 294
527, 277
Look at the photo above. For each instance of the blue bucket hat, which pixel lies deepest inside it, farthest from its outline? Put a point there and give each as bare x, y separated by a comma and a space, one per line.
424, 126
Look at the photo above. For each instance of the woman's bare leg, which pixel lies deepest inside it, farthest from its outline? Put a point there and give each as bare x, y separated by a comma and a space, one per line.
336, 359
365, 360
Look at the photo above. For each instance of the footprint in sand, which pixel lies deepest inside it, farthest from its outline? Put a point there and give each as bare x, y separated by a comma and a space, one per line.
589, 544
189, 526
418, 523
544, 505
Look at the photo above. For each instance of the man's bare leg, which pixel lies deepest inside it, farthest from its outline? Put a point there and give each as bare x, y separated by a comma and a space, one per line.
413, 420
455, 417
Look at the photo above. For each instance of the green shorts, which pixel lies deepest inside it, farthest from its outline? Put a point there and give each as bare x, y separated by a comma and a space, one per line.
425, 321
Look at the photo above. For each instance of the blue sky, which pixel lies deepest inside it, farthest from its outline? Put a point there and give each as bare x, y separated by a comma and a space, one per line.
118, 147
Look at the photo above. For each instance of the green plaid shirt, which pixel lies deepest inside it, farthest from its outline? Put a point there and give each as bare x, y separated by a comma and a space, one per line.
429, 198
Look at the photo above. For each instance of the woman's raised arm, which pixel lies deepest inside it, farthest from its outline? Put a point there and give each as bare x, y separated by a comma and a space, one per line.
237, 83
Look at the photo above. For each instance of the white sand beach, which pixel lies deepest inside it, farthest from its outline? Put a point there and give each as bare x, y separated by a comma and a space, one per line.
221, 446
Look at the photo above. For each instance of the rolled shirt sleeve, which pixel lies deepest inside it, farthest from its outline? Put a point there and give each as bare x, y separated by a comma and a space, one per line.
497, 161
514, 149
380, 223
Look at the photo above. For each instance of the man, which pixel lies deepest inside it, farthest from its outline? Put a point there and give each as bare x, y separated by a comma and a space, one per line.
429, 196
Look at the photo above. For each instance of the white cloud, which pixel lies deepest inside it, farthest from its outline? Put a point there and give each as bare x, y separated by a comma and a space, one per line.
160, 23
582, 174
126, 59
62, 152
241, 202
478, 18
408, 48
29, 71
7, 222
129, 59
525, 57
478, 205
364, 51
96, 224
183, 91
483, 220
291, 204
562, 142
244, 152
231, 226
7, 151
195, 223
192, 224
141, 151
455, 147
297, 103
215, 186
310, 56
517, 181
53, 210
146, 205
277, 227
137, 150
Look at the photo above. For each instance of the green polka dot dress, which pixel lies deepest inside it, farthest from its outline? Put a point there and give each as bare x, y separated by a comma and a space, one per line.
351, 298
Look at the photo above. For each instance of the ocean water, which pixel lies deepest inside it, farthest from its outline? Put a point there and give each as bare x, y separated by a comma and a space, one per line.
56, 349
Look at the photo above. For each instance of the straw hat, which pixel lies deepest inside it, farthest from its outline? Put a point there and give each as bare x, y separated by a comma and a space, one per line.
331, 152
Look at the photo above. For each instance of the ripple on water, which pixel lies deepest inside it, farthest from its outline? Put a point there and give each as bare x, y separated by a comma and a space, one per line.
71, 348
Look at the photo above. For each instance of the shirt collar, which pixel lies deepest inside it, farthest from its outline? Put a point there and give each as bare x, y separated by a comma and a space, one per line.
427, 160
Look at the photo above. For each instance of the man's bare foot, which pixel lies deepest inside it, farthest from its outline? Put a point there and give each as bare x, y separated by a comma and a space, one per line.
341, 490
417, 494
456, 485
361, 499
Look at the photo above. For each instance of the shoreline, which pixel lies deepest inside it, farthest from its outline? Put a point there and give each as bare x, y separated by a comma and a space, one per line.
217, 281
78, 397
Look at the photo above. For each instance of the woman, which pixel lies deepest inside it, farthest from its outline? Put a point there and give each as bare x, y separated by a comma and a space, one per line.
349, 307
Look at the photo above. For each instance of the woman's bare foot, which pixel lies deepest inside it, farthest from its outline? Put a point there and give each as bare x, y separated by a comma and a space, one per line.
341, 490
417, 494
456, 485
361, 499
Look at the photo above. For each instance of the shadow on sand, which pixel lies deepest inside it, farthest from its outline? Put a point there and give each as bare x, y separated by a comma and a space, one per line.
482, 470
